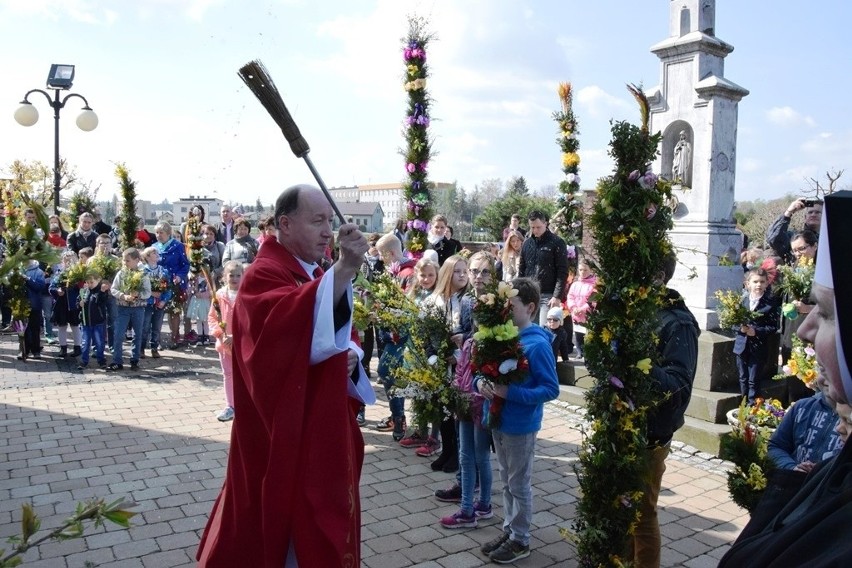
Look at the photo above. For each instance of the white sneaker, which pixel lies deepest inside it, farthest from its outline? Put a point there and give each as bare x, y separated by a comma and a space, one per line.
226, 415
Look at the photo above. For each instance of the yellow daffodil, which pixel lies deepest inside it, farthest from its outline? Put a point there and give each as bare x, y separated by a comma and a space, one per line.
570, 160
644, 365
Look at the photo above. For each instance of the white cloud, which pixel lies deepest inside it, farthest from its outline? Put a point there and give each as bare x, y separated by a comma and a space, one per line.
749, 165
787, 116
600, 103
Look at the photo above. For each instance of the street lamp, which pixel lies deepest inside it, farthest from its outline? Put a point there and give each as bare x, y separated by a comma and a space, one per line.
59, 79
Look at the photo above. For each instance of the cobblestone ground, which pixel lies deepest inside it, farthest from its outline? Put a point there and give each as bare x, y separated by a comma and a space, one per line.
151, 436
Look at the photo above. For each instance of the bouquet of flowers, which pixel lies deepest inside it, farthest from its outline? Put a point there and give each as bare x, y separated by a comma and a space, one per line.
801, 364
425, 381
104, 264
425, 375
732, 312
497, 353
747, 448
764, 413
159, 284
796, 282
131, 283
74, 275
389, 307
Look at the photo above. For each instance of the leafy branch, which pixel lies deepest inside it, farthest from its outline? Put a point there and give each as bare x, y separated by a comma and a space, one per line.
97, 511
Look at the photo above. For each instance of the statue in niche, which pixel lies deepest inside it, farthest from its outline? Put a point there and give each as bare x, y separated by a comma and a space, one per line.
681, 158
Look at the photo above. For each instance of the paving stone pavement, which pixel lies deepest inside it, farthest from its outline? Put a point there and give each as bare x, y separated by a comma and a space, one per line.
151, 436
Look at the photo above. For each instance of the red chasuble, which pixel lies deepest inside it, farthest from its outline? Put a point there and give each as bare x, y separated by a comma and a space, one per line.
296, 451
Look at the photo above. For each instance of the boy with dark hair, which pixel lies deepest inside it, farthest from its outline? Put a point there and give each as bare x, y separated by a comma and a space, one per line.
93, 313
520, 421
751, 345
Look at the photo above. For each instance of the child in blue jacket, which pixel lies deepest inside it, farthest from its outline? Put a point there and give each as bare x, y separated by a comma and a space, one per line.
520, 421
36, 289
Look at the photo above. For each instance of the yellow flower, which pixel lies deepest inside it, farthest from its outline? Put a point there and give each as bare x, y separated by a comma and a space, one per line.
570, 160
794, 367
810, 375
606, 335
619, 240
644, 365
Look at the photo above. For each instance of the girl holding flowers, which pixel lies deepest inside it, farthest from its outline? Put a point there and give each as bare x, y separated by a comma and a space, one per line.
474, 439
219, 320
449, 297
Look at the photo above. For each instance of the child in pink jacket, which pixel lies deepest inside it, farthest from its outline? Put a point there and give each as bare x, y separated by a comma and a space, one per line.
578, 301
219, 322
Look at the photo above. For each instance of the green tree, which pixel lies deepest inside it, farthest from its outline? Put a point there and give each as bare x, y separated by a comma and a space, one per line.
517, 185
128, 208
495, 217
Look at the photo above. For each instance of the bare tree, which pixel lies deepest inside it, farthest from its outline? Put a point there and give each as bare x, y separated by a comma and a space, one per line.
818, 190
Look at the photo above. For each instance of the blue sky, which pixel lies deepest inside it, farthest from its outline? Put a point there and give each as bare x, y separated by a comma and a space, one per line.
161, 74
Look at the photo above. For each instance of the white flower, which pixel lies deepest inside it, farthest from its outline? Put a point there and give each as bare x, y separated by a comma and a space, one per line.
433, 359
572, 178
508, 366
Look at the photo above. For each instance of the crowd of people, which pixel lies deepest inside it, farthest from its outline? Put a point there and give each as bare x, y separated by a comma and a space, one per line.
100, 295
296, 449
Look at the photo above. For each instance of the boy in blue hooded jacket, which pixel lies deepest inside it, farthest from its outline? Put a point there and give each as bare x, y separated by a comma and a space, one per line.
520, 421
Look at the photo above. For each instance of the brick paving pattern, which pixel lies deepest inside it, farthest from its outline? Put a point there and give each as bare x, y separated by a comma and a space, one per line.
151, 436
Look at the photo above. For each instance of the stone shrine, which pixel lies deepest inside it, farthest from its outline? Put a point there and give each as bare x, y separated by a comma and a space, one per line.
695, 107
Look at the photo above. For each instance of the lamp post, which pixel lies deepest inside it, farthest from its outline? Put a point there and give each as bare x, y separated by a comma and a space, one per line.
60, 79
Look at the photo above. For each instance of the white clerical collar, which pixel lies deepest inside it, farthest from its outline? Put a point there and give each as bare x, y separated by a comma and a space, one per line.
308, 267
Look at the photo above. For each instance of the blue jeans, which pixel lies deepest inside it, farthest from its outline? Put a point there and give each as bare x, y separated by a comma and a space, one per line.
93, 335
474, 455
390, 359
47, 309
135, 316
153, 324
515, 453
111, 307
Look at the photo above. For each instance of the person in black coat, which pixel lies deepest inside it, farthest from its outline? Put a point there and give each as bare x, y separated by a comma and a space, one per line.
751, 345
85, 234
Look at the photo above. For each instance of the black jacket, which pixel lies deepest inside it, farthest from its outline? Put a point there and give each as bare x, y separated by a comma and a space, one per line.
77, 241
765, 325
561, 343
673, 376
805, 526
545, 260
445, 249
778, 237
94, 306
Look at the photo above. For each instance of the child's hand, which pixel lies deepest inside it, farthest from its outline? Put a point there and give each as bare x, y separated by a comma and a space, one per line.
748, 330
228, 340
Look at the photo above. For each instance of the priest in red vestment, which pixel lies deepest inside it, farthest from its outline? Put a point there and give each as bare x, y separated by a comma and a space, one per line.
290, 496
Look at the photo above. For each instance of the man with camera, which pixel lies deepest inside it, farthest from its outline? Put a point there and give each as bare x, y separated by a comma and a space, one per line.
778, 235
